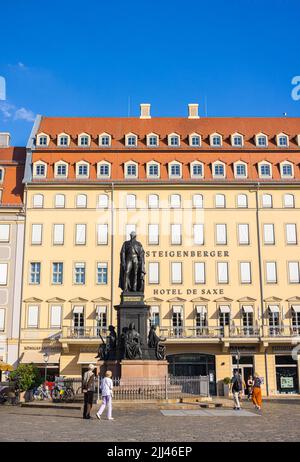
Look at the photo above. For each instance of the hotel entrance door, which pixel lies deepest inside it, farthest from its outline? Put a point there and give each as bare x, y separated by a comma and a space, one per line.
245, 368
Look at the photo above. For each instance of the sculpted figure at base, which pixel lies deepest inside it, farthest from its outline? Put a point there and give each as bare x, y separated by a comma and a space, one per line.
107, 349
133, 343
154, 342
132, 266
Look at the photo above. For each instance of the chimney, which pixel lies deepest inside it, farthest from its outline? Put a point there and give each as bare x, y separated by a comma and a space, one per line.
4, 139
145, 111
193, 111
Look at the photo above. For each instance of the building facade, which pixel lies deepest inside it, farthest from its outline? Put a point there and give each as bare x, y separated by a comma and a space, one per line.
12, 219
215, 203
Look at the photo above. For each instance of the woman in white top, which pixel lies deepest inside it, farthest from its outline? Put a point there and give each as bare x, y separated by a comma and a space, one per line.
107, 393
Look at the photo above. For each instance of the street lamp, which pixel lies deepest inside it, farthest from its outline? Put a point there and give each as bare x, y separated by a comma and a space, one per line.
237, 357
46, 359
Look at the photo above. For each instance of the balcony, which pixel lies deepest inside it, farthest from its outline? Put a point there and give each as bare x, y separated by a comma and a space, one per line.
281, 331
82, 333
41, 334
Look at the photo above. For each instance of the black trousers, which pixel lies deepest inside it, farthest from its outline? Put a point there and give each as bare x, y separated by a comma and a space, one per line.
88, 403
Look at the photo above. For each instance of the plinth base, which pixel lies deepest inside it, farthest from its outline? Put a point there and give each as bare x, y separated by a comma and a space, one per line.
143, 369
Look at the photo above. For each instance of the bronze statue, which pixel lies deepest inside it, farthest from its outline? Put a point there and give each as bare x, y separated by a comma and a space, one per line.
108, 348
154, 341
132, 266
133, 343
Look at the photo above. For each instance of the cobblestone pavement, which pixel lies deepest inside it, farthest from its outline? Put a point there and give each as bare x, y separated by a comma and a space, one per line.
279, 421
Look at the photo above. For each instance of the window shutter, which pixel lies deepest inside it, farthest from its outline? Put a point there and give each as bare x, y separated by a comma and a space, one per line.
153, 272
222, 272
199, 234
36, 235
243, 234
291, 234
294, 272
102, 238
245, 272
58, 237
176, 272
221, 234
176, 234
4, 233
33, 314
269, 234
80, 234
56, 315
200, 273
153, 234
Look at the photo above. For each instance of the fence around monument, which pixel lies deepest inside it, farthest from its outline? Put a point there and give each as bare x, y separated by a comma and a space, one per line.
144, 389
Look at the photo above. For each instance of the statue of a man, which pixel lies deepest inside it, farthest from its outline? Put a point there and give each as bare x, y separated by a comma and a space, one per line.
132, 266
133, 343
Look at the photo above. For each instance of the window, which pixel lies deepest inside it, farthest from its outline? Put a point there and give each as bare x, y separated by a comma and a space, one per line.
199, 268
103, 201
2, 319
196, 170
3, 274
195, 141
153, 201
243, 234
131, 201
177, 320
104, 170
291, 233
198, 232
240, 170
296, 319
271, 272
294, 273
57, 273
42, 140
248, 321
131, 170
61, 170
153, 272
153, 234
219, 170
265, 170
152, 140
215, 140
58, 234
282, 141
35, 273
33, 316
221, 234
222, 270
102, 273
78, 320
153, 170
273, 315
40, 170
4, 233
201, 319
131, 141
269, 237
176, 234
36, 234
82, 170
261, 141
63, 140
79, 273
175, 170
102, 234
224, 317
237, 140
154, 315
101, 318
175, 201
242, 200
80, 237
59, 201
128, 229
37, 201
267, 201
245, 272
1, 174
176, 272
220, 201
84, 140
198, 201
286, 170
288, 201
81, 201
173, 140
55, 315
104, 140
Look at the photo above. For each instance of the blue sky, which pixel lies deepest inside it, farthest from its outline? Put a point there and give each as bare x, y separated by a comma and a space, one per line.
75, 58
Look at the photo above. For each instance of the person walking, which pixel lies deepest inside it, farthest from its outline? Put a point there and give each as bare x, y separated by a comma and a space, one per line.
107, 394
249, 386
236, 388
88, 388
256, 392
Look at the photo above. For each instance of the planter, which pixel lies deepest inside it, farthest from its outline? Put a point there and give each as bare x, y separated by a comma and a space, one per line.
226, 390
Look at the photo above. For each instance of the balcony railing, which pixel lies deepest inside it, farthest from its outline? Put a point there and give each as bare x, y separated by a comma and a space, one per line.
283, 330
84, 332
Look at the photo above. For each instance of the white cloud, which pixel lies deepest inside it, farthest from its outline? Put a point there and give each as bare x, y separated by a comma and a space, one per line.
7, 110
24, 114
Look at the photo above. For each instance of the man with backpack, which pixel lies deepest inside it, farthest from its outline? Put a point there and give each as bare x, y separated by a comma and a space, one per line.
236, 388
88, 388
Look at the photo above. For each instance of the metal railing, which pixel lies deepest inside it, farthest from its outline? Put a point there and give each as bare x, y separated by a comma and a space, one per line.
83, 332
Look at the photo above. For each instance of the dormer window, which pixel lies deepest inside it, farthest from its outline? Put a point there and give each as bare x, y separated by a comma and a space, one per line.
282, 140
103, 170
261, 140
240, 170
104, 140
175, 170
131, 140
131, 170
286, 170
1, 174
82, 170
237, 140
173, 140
153, 170
63, 140
218, 170
39, 169
196, 169
195, 140
42, 140
84, 140
61, 170
265, 170
215, 140
152, 140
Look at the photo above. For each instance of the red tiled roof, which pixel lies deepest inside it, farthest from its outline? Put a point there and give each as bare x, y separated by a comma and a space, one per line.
12, 159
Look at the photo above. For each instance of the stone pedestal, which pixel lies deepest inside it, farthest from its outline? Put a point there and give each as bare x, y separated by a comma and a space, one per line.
143, 369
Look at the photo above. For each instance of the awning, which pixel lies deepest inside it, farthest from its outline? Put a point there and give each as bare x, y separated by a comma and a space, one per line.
296, 308
201, 309
248, 308
4, 367
154, 309
177, 309
100, 309
87, 358
37, 357
274, 308
78, 309
224, 308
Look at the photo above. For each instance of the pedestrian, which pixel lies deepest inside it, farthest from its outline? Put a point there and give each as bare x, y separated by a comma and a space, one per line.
88, 388
256, 392
107, 394
236, 388
249, 386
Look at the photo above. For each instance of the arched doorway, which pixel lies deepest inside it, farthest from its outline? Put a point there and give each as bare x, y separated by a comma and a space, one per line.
193, 364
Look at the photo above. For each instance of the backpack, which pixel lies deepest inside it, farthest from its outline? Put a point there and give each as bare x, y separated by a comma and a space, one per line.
237, 384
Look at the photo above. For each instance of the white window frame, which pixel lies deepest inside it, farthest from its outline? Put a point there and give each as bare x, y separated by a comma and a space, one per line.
235, 166
153, 234
198, 234
4, 232
148, 137
267, 201
282, 165
57, 203
269, 231
33, 315
102, 234
215, 164
234, 136
38, 139
152, 163
35, 165
170, 137
290, 205
3, 274
195, 135
245, 272
102, 201
240, 199
217, 203
196, 163
57, 164
176, 237
198, 201
80, 234
58, 233
278, 137
153, 272
80, 203
80, 137
261, 164
79, 164
179, 266
34, 229
53, 315
271, 272
99, 165
131, 201
211, 139
261, 135
221, 234
222, 270
101, 136
291, 233
296, 271
199, 272
40, 198
153, 204
59, 138
177, 205
126, 165
131, 135
243, 234
170, 165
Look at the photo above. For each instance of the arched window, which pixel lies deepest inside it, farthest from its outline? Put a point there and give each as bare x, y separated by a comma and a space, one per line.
265, 170
103, 201
175, 201
152, 140
282, 140
131, 170
131, 140
63, 140
237, 140
289, 201
175, 170
37, 201
81, 201
84, 140
261, 140
131, 201
197, 170
153, 170
286, 170
242, 200
220, 201
173, 140
267, 201
42, 139
219, 170
82, 170
59, 201
240, 170
215, 140
195, 140
198, 201
103, 169
105, 140
39, 169
61, 169
153, 201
